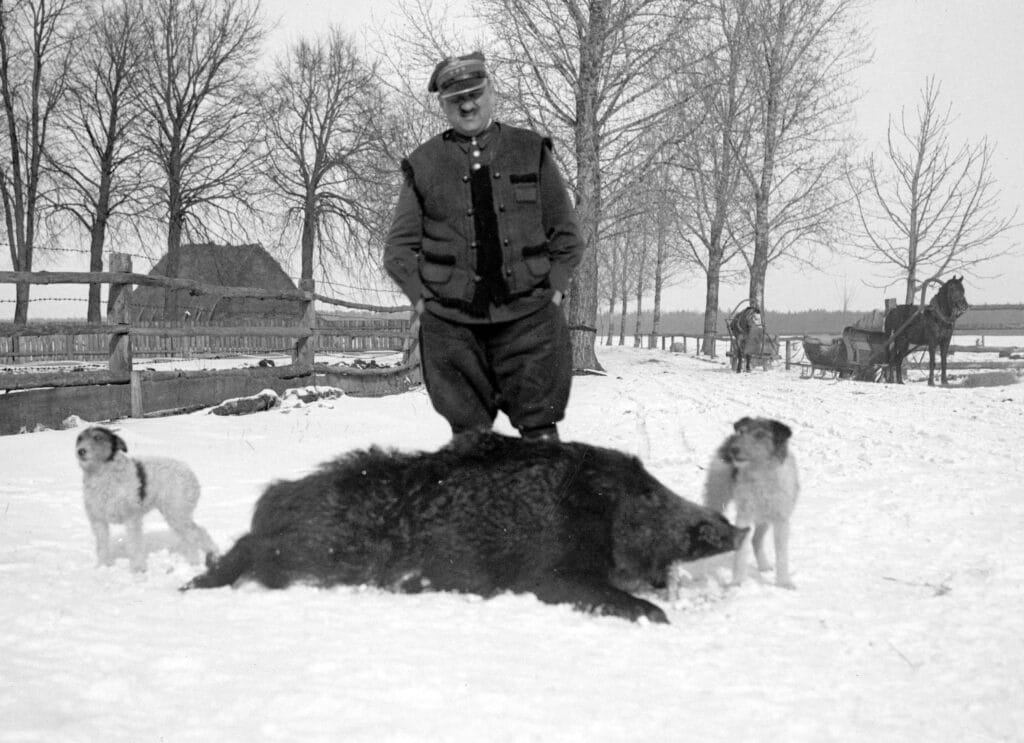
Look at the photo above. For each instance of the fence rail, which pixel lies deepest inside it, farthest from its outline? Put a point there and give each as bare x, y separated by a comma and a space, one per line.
48, 397
85, 342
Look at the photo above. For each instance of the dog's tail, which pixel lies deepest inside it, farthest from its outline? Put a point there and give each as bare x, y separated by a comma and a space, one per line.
228, 568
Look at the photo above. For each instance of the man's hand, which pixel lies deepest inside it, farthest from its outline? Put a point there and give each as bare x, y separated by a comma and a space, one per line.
556, 298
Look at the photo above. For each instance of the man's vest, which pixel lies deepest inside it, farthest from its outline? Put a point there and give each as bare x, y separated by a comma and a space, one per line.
441, 176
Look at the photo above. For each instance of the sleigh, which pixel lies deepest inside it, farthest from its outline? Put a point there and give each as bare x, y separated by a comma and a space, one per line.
856, 354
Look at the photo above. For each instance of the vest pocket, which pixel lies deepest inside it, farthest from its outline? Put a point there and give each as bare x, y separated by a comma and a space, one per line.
525, 193
440, 274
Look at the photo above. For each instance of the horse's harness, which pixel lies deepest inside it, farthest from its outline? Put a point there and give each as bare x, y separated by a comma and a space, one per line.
944, 318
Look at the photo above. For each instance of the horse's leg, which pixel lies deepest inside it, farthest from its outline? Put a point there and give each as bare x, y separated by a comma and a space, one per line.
897, 363
931, 365
943, 354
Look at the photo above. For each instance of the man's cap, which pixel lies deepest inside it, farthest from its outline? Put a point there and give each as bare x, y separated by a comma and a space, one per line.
457, 75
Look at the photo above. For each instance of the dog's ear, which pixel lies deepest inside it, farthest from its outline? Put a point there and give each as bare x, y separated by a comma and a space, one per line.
116, 443
781, 432
742, 423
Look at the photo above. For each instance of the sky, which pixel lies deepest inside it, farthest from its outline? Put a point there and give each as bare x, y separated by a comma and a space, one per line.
970, 46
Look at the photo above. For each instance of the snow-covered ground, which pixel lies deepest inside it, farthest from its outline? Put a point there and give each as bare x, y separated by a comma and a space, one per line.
907, 624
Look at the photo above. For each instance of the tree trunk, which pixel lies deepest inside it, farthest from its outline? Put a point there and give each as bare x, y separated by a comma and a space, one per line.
611, 317
659, 280
711, 307
759, 263
173, 267
582, 310
622, 321
94, 311
97, 238
308, 237
175, 223
638, 339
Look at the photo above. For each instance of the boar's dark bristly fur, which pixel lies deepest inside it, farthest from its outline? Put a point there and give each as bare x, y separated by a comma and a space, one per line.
485, 514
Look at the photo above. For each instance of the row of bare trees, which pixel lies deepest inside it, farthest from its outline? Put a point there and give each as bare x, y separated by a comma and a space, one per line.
153, 117
700, 136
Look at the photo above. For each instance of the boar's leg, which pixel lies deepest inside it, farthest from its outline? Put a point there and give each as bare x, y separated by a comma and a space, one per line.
228, 568
591, 594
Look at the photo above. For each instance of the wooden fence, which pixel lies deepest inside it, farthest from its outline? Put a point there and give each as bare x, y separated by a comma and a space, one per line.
333, 336
120, 390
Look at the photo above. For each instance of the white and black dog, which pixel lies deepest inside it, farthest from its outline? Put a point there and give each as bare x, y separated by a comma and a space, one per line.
754, 469
120, 490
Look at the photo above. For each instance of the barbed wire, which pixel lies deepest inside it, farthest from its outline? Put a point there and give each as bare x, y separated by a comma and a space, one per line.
47, 299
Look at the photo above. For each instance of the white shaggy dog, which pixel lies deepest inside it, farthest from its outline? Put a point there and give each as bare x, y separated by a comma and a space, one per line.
120, 490
755, 469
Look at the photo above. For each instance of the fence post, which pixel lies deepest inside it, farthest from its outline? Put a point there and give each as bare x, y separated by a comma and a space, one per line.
789, 344
305, 347
118, 313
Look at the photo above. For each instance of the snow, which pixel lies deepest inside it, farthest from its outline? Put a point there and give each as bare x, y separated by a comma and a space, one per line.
907, 623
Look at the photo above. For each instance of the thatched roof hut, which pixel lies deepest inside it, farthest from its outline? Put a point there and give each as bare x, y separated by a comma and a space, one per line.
224, 265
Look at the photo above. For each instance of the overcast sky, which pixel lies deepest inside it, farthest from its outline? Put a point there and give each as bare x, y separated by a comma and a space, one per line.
973, 47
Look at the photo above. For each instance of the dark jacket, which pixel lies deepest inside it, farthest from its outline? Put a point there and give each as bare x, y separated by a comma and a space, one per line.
432, 248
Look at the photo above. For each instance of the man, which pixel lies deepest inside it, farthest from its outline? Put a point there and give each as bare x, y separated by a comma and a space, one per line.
484, 242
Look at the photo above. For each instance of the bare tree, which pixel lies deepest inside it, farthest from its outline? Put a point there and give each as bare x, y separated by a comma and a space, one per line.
716, 103
326, 153
799, 54
582, 68
929, 207
35, 46
199, 100
94, 154
611, 267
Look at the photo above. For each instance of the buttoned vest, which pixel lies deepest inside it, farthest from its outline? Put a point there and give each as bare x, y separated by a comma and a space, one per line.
440, 173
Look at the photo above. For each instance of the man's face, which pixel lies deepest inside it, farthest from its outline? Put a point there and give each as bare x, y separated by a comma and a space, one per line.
471, 112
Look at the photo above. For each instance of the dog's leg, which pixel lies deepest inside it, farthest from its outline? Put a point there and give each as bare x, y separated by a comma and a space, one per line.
780, 530
133, 541
760, 531
739, 558
197, 540
101, 531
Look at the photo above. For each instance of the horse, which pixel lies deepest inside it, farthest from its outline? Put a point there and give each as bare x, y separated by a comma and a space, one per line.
741, 326
931, 325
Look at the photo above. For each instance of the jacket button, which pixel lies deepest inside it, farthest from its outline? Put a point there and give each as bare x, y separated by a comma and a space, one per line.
501, 207
497, 174
476, 278
469, 212
465, 178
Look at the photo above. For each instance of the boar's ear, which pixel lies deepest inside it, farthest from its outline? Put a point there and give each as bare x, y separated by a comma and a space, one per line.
741, 423
781, 432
